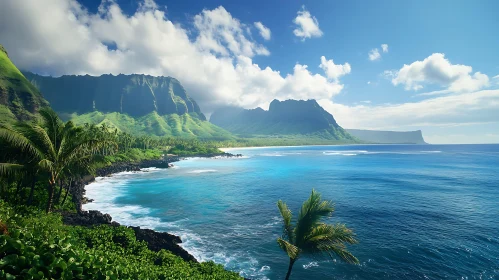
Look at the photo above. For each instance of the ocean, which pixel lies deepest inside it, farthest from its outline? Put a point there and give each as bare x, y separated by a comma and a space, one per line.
419, 211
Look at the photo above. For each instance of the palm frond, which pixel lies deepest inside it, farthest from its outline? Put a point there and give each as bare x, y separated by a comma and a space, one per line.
286, 216
289, 248
44, 139
313, 210
338, 249
18, 140
9, 169
46, 164
331, 233
52, 123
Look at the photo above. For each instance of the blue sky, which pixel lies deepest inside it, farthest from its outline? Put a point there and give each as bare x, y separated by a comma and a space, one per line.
453, 41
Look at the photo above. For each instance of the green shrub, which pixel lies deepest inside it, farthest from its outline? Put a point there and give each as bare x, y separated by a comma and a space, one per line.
39, 246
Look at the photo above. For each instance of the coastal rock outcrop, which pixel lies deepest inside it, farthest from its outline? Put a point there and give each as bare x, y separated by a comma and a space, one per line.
162, 240
388, 137
155, 240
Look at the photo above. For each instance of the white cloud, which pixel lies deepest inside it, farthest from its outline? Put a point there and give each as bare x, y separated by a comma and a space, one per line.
221, 33
307, 25
264, 31
374, 54
436, 69
368, 82
384, 47
445, 111
216, 66
496, 79
334, 71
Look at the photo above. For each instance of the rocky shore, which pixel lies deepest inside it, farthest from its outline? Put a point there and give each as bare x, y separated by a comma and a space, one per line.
155, 240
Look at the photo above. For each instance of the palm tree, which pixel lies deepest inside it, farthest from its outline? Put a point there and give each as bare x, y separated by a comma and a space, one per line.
53, 147
310, 235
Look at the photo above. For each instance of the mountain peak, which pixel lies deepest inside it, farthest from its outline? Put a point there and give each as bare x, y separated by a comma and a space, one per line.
290, 117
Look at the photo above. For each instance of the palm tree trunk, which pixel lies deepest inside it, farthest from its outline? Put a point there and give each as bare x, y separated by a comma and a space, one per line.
291, 263
67, 192
51, 196
58, 199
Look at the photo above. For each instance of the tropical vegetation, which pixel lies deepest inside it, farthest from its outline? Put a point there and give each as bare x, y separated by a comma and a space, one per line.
39, 163
34, 245
309, 234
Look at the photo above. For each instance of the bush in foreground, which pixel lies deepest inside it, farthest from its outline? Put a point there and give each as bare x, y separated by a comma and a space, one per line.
35, 245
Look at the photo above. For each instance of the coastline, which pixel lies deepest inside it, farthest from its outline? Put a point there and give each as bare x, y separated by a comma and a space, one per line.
155, 240
228, 149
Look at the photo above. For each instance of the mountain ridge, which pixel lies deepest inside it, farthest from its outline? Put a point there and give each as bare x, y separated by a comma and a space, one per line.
289, 117
136, 94
19, 99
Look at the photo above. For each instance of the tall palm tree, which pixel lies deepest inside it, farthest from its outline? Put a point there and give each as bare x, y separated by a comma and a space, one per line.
53, 147
310, 235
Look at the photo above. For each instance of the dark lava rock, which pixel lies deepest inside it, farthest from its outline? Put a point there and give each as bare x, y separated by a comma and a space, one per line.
155, 240
162, 240
89, 218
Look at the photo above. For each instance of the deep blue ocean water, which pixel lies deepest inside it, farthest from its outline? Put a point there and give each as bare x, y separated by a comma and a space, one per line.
419, 211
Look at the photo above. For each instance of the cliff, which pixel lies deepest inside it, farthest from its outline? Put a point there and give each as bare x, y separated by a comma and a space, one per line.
19, 99
290, 117
388, 137
135, 95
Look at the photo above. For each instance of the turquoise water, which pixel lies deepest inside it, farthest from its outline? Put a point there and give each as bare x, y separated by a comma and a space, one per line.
419, 211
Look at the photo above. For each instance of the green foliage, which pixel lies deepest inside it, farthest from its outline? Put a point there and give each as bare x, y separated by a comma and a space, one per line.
310, 235
52, 149
152, 124
194, 150
135, 155
39, 246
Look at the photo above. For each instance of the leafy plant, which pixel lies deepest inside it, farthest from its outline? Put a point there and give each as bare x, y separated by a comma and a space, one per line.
39, 246
310, 235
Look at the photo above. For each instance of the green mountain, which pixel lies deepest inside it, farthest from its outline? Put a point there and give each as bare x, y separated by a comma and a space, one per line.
135, 95
19, 99
185, 126
388, 137
291, 117
136, 104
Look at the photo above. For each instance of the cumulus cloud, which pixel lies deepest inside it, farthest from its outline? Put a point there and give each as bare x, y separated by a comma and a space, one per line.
264, 31
213, 60
436, 69
307, 25
334, 71
384, 47
221, 33
374, 54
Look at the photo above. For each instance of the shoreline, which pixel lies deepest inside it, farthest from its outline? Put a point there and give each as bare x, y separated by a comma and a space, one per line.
227, 149
155, 240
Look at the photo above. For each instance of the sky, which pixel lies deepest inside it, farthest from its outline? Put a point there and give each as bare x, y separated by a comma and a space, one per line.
386, 65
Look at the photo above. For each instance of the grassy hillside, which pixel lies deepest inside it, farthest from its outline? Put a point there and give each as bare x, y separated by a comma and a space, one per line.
19, 99
173, 125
